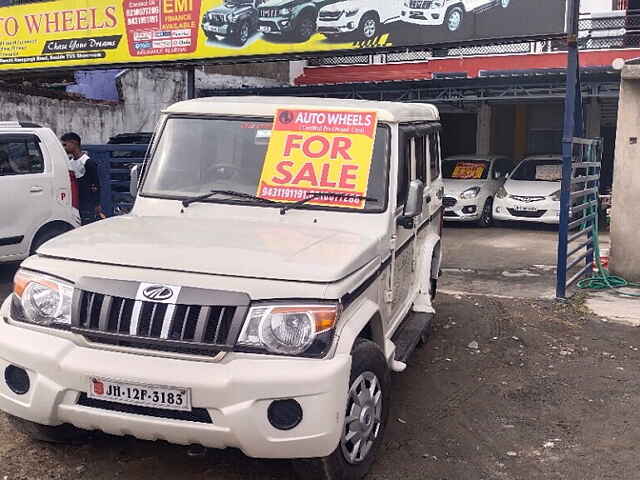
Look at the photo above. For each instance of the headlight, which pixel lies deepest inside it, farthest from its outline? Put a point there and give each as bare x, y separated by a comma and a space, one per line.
470, 193
290, 329
41, 299
502, 193
351, 13
407, 4
285, 11
437, 3
555, 196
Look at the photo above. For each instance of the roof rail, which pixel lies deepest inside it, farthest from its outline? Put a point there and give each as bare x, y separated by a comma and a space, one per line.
17, 124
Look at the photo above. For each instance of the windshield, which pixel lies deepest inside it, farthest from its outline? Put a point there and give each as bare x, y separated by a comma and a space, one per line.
197, 155
466, 169
542, 170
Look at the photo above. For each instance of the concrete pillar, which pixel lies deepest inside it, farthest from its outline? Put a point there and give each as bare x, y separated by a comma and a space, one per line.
483, 131
594, 118
625, 220
521, 141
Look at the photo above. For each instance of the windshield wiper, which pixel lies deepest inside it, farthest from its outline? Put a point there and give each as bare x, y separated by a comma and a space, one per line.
230, 193
316, 195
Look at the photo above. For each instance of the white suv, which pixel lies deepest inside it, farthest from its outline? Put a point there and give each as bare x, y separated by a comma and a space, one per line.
362, 16
450, 13
279, 263
37, 202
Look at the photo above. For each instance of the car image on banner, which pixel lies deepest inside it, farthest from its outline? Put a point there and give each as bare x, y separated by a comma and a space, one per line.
57, 34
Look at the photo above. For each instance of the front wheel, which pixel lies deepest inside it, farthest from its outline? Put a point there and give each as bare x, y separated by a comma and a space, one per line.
454, 19
242, 34
365, 420
486, 219
369, 26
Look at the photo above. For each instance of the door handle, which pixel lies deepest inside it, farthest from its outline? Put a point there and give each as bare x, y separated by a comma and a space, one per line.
36, 189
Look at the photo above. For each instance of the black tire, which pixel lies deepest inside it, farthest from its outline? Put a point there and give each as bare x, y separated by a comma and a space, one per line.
368, 360
211, 36
45, 433
369, 26
242, 34
433, 288
305, 28
486, 218
454, 19
44, 236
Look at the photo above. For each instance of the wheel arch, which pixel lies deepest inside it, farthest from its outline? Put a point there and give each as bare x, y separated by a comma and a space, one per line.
364, 322
53, 225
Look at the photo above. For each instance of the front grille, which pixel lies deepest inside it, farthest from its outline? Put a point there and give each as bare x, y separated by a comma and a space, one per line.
449, 202
330, 16
525, 214
217, 19
199, 415
524, 199
269, 12
450, 214
126, 321
420, 4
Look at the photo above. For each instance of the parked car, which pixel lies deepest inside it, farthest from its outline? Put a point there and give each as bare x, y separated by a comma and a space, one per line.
532, 191
293, 19
224, 319
470, 185
234, 21
38, 201
363, 17
447, 13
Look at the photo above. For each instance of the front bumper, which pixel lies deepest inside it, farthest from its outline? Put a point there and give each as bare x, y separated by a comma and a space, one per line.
463, 211
544, 211
423, 17
236, 392
275, 25
222, 30
342, 26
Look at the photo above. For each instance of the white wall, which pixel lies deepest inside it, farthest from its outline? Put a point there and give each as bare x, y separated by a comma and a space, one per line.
595, 6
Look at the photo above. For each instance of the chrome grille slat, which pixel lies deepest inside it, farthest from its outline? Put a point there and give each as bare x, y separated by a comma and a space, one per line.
105, 312
90, 301
167, 323
135, 318
216, 336
120, 312
201, 326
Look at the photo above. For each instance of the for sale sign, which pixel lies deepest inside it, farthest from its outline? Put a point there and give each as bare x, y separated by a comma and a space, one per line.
313, 152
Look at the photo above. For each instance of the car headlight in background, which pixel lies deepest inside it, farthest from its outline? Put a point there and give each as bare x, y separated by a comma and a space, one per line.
470, 193
437, 4
290, 329
41, 299
285, 11
502, 193
555, 196
351, 13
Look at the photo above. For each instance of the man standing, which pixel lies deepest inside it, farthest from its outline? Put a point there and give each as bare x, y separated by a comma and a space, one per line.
86, 173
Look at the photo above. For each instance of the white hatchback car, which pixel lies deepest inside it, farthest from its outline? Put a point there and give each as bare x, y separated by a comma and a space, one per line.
37, 202
470, 185
532, 192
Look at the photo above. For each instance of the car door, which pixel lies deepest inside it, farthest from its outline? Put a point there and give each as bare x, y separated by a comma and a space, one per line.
26, 191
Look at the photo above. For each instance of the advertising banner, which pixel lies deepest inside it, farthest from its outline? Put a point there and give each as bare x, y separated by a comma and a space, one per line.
80, 33
313, 151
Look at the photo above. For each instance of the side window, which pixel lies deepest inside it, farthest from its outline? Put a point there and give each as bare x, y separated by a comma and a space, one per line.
404, 171
434, 155
20, 155
421, 158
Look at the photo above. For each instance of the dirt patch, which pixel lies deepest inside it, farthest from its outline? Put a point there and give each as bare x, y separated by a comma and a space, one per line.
549, 393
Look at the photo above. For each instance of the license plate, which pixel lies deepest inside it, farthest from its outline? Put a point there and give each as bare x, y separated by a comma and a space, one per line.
217, 29
520, 208
154, 396
265, 29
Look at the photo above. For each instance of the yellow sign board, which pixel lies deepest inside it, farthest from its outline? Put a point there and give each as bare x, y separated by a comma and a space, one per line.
468, 171
317, 151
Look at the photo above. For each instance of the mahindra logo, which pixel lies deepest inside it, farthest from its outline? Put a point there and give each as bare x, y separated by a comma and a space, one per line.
157, 293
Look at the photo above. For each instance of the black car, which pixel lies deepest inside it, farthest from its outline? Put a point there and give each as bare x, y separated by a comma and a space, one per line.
235, 21
293, 19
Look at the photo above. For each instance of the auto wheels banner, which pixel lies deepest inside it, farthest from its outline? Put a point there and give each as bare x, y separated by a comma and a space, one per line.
79, 33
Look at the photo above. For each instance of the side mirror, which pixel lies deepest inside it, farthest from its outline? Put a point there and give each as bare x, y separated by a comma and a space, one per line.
497, 175
413, 207
133, 185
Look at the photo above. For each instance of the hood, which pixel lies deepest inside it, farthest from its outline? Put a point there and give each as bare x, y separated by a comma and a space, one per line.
453, 188
532, 188
279, 3
341, 6
224, 246
230, 8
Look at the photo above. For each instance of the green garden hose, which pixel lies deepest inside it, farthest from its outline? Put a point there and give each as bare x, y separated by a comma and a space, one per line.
602, 279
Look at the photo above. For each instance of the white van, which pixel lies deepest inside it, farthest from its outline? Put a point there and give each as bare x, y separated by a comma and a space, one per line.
216, 315
450, 13
36, 198
362, 16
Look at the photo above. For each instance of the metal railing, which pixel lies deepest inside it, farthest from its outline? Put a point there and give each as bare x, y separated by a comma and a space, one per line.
577, 247
114, 171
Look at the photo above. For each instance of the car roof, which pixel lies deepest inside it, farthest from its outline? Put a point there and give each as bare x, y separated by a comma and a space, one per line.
555, 157
489, 157
267, 106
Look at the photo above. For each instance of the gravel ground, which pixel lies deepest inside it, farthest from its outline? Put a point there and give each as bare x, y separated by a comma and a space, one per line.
545, 392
